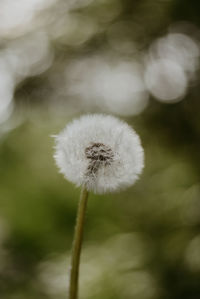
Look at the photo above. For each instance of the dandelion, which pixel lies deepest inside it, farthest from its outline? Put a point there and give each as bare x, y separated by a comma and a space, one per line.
102, 154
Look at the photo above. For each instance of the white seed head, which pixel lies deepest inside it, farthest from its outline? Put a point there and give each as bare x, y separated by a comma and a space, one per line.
101, 152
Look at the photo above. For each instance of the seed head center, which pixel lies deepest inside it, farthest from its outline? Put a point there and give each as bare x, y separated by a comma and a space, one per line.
99, 152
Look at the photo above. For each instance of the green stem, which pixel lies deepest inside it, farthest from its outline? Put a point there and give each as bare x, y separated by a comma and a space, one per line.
76, 250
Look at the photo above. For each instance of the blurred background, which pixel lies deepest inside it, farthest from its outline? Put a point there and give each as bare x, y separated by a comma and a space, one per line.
136, 59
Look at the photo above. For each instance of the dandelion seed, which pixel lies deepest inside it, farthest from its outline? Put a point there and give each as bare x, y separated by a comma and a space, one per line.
101, 152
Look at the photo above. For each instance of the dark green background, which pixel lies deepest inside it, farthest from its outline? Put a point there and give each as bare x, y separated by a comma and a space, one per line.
141, 243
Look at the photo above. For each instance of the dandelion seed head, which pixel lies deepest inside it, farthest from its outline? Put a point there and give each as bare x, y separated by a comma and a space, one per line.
101, 152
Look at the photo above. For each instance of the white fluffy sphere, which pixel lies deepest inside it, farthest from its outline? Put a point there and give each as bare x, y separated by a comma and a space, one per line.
101, 152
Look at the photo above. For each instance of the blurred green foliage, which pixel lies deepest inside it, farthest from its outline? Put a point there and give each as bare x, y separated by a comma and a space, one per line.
140, 243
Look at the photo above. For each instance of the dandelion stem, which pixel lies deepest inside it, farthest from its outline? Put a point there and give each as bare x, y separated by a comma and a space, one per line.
76, 250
